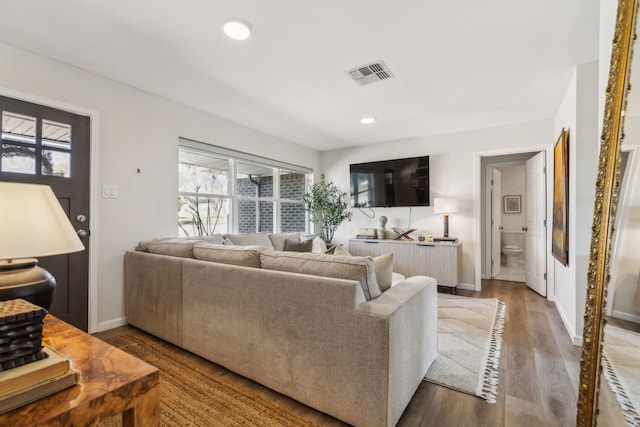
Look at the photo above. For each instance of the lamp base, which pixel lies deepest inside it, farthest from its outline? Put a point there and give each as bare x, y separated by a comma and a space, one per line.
23, 278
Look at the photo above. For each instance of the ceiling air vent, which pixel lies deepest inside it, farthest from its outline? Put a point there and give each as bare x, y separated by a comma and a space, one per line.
370, 73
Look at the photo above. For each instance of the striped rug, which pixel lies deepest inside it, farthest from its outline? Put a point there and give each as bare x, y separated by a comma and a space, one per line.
469, 342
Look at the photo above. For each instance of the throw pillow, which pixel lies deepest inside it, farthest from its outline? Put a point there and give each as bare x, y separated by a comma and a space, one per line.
319, 246
247, 256
384, 270
278, 239
341, 250
331, 250
292, 246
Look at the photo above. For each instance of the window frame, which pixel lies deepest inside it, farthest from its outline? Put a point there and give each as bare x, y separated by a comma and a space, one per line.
234, 157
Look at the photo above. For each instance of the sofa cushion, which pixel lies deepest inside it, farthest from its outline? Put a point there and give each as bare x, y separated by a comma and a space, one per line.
250, 239
292, 246
396, 278
247, 256
175, 247
278, 239
384, 270
361, 269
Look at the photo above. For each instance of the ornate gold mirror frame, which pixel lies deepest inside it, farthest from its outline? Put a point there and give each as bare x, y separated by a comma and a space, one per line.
606, 199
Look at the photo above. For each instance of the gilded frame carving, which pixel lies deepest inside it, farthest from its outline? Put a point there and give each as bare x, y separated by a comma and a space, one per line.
606, 198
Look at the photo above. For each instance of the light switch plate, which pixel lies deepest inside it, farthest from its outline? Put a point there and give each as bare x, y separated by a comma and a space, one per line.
109, 191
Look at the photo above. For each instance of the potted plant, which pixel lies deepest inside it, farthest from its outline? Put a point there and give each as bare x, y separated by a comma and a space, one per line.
327, 207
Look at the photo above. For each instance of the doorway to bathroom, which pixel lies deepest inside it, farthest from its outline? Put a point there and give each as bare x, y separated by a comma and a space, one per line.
514, 212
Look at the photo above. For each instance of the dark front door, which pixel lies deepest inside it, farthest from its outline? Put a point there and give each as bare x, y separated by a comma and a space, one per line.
44, 145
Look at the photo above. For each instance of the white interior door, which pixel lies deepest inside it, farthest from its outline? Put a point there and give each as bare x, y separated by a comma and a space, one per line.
496, 195
535, 212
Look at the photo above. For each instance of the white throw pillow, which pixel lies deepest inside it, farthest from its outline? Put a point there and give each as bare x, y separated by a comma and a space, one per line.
341, 250
384, 270
319, 246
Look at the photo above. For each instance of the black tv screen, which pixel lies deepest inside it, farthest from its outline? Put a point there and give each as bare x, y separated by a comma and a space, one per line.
390, 183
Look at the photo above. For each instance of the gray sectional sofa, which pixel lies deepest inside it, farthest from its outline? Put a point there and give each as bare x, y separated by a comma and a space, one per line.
318, 328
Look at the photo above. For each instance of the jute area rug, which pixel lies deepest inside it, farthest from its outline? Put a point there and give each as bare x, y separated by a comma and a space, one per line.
193, 394
621, 366
469, 342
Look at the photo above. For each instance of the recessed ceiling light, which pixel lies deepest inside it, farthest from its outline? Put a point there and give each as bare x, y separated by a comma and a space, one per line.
237, 29
368, 120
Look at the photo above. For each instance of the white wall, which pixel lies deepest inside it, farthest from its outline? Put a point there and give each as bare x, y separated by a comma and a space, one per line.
452, 173
137, 130
578, 113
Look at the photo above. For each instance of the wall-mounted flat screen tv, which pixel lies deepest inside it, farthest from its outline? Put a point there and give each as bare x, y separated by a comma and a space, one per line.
390, 183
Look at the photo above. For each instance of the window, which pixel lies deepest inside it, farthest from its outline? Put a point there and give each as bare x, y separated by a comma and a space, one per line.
224, 191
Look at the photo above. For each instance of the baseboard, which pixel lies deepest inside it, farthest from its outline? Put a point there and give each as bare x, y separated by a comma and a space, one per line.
110, 324
577, 341
625, 316
466, 286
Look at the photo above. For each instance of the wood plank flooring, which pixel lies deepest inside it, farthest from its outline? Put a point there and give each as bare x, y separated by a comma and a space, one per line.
539, 371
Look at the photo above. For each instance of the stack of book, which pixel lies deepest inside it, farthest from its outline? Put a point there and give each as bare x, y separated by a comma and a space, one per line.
28, 370
367, 233
33, 381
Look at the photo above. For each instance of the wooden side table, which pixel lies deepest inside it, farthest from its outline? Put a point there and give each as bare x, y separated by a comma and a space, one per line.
111, 382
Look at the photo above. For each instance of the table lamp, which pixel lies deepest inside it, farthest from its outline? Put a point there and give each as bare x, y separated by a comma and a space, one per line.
446, 206
32, 224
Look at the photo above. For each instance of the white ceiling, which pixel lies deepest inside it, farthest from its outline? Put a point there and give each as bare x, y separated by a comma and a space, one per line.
459, 65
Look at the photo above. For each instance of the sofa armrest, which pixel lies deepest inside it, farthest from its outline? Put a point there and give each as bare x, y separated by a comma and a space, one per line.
411, 308
153, 294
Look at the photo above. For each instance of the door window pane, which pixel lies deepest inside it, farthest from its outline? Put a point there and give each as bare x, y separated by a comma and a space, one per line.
56, 134
19, 159
18, 127
202, 215
56, 163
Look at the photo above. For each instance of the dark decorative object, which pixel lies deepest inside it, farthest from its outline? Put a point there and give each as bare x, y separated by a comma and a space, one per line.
24, 279
20, 333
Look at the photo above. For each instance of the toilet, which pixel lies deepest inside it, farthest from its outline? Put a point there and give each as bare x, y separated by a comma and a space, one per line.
512, 253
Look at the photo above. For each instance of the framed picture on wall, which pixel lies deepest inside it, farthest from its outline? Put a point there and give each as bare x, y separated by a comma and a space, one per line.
511, 204
559, 232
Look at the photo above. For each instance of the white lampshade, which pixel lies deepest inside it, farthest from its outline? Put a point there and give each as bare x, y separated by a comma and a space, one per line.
33, 224
445, 205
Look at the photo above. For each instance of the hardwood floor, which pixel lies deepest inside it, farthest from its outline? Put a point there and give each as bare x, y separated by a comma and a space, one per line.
539, 371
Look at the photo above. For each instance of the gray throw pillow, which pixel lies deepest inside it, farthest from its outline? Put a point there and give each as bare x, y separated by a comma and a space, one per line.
293, 246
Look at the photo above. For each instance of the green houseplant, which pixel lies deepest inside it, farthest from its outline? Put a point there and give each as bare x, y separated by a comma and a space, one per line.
327, 207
